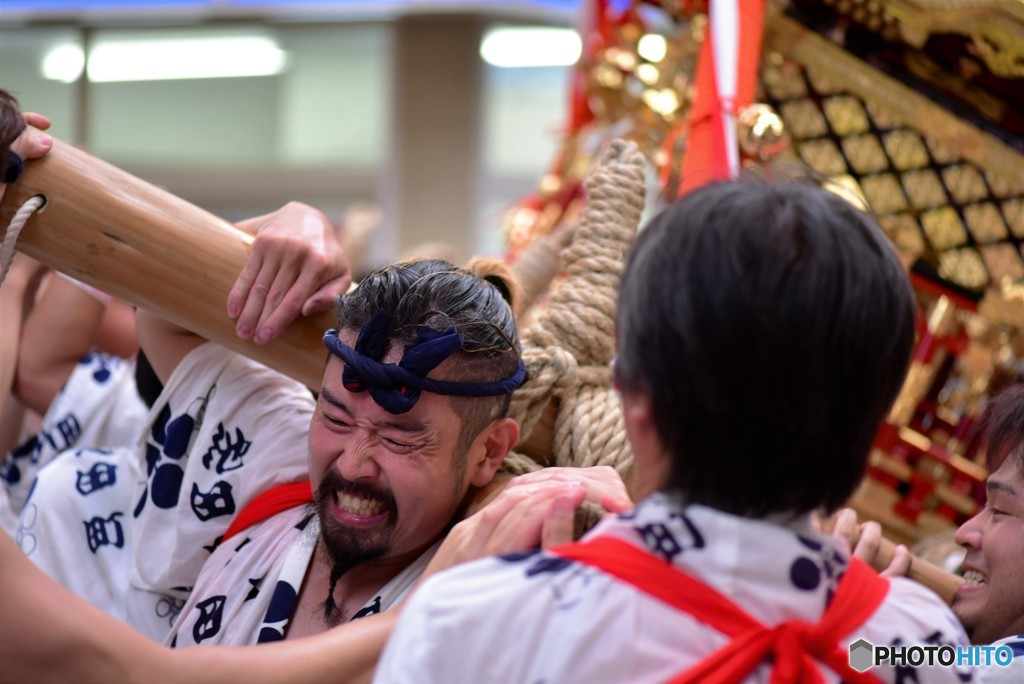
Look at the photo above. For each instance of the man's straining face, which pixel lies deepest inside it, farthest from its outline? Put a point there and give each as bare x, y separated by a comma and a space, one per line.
386, 485
990, 604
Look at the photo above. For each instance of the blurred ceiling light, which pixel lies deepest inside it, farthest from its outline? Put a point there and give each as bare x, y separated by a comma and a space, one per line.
64, 63
532, 46
652, 47
167, 59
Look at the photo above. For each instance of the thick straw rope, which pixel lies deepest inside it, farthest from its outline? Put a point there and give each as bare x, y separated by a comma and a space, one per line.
31, 206
537, 266
568, 350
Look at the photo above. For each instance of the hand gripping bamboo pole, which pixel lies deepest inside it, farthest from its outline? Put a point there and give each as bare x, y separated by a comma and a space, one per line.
141, 244
942, 582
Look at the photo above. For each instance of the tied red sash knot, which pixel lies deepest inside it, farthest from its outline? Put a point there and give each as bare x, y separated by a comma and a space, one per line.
796, 647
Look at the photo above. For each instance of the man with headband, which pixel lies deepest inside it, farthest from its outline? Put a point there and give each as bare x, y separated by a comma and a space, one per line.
411, 415
207, 535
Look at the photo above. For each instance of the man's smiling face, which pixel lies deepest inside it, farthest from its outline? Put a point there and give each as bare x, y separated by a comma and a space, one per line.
990, 604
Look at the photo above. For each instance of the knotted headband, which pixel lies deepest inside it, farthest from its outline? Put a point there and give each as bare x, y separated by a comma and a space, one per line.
397, 387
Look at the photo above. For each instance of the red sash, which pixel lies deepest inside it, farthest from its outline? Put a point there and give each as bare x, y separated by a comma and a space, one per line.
795, 645
269, 504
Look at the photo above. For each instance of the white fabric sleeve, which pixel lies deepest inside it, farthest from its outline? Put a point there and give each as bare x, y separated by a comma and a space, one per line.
224, 430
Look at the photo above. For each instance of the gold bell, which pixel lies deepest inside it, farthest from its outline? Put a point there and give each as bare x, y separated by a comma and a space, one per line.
761, 132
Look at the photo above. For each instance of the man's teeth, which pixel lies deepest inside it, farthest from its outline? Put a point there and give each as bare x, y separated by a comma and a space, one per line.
358, 505
974, 577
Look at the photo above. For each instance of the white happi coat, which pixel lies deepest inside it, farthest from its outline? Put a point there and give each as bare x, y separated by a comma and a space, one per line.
130, 529
248, 589
1009, 674
540, 618
99, 406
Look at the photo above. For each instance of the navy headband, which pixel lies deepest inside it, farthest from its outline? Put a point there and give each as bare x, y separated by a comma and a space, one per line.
397, 387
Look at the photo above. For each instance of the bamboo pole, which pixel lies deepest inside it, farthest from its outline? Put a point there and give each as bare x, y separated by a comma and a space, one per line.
142, 244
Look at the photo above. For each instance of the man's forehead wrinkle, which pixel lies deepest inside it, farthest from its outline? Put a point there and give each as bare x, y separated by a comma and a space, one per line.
411, 426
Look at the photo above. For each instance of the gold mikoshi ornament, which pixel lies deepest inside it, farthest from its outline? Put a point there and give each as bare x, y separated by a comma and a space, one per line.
761, 133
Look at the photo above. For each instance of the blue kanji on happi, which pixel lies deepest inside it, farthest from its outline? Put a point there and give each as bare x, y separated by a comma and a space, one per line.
100, 532
211, 612
168, 442
227, 450
214, 503
100, 475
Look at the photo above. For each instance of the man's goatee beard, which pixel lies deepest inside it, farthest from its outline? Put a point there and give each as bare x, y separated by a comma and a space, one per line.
348, 547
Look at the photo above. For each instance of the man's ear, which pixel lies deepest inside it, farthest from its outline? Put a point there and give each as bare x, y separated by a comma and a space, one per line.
637, 412
649, 454
490, 448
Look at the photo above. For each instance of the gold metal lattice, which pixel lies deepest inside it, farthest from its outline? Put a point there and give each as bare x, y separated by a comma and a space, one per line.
884, 194
931, 201
985, 223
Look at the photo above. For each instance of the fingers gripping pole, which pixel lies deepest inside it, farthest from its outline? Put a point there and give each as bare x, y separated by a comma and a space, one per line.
942, 582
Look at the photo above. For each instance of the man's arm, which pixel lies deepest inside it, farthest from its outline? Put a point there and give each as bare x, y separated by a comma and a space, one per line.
48, 634
63, 327
15, 296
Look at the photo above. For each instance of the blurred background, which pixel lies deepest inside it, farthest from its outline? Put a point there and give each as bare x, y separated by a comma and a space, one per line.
441, 115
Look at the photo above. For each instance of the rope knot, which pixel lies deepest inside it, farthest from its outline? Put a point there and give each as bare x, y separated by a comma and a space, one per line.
594, 376
570, 345
551, 370
565, 368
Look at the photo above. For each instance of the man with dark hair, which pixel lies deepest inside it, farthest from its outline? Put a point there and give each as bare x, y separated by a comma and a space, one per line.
990, 604
391, 457
410, 422
410, 419
763, 332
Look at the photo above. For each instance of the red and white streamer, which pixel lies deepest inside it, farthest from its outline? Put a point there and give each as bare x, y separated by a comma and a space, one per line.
725, 83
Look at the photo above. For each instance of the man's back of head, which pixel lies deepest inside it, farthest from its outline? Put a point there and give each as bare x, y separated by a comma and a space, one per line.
763, 332
771, 326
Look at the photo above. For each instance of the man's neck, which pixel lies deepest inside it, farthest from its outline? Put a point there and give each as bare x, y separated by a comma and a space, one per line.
352, 591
